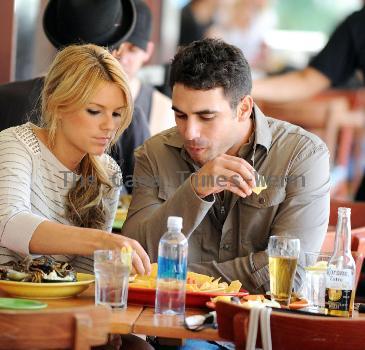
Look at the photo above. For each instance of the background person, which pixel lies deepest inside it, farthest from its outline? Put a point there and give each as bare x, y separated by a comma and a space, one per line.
343, 55
132, 55
203, 170
332, 66
245, 23
196, 18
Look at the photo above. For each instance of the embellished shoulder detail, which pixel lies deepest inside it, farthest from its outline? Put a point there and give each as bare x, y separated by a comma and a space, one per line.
25, 133
113, 170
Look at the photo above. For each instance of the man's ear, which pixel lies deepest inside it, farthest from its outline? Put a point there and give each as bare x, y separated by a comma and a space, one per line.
244, 108
117, 51
149, 50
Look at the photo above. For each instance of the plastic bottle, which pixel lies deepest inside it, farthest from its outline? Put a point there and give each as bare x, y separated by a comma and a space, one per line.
340, 278
172, 269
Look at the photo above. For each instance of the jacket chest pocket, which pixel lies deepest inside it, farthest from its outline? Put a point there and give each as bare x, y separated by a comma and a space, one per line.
267, 198
256, 215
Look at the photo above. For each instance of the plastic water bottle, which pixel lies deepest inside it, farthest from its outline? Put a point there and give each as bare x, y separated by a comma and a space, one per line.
172, 267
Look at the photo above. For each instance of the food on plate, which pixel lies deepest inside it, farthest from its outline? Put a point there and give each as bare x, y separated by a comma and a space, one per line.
38, 270
196, 282
250, 301
259, 301
227, 298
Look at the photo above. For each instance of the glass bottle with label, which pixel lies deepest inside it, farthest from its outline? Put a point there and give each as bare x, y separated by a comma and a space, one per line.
340, 278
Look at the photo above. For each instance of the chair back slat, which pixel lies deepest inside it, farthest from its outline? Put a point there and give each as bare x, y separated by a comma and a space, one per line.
293, 331
357, 212
76, 328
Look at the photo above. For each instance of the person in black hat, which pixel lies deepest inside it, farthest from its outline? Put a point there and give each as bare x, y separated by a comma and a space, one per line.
132, 54
102, 22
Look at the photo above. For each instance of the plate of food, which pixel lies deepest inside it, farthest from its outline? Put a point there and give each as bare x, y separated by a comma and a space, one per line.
297, 302
42, 278
147, 296
199, 289
254, 299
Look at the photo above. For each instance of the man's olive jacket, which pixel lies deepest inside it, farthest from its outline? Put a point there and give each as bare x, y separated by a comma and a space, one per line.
295, 164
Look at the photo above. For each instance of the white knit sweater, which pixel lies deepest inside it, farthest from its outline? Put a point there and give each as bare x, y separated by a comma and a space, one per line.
33, 188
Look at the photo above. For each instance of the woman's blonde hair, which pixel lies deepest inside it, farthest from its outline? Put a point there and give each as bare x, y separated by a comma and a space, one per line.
73, 78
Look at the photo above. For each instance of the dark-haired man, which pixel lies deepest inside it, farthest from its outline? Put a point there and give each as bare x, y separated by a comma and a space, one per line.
204, 170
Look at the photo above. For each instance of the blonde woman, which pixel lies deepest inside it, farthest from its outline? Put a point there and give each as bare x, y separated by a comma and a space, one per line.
58, 188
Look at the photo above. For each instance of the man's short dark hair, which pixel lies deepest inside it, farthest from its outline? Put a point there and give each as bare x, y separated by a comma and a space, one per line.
212, 63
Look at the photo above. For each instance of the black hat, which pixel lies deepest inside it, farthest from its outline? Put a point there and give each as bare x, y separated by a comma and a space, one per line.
141, 33
101, 22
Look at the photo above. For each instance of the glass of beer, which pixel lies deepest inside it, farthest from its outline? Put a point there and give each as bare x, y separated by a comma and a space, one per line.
283, 257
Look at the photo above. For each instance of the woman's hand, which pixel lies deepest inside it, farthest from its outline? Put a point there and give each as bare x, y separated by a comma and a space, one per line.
53, 238
140, 260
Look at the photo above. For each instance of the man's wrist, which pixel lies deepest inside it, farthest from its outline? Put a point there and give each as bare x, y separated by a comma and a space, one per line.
194, 182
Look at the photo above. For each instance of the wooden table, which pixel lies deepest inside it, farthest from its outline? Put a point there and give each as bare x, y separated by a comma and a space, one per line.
142, 320
171, 326
122, 320
137, 319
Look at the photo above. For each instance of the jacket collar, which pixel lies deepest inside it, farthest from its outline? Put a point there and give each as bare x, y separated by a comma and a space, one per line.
262, 129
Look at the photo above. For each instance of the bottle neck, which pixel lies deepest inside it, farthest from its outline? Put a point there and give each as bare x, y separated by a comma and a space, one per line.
174, 229
343, 235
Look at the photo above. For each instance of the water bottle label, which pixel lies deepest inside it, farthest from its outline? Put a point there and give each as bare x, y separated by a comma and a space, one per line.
171, 268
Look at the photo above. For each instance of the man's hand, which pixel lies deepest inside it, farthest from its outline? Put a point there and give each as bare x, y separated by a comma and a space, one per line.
224, 173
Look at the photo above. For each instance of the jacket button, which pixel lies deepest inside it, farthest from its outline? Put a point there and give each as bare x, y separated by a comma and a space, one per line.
226, 246
262, 200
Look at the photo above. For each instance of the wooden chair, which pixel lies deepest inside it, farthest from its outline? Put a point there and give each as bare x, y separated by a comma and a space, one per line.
351, 134
357, 232
293, 331
359, 260
76, 328
357, 212
355, 98
322, 117
357, 224
337, 117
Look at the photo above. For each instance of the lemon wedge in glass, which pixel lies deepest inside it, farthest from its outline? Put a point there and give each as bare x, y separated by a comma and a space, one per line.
318, 266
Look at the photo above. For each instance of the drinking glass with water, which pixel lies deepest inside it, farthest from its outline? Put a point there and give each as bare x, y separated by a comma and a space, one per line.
112, 269
315, 279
